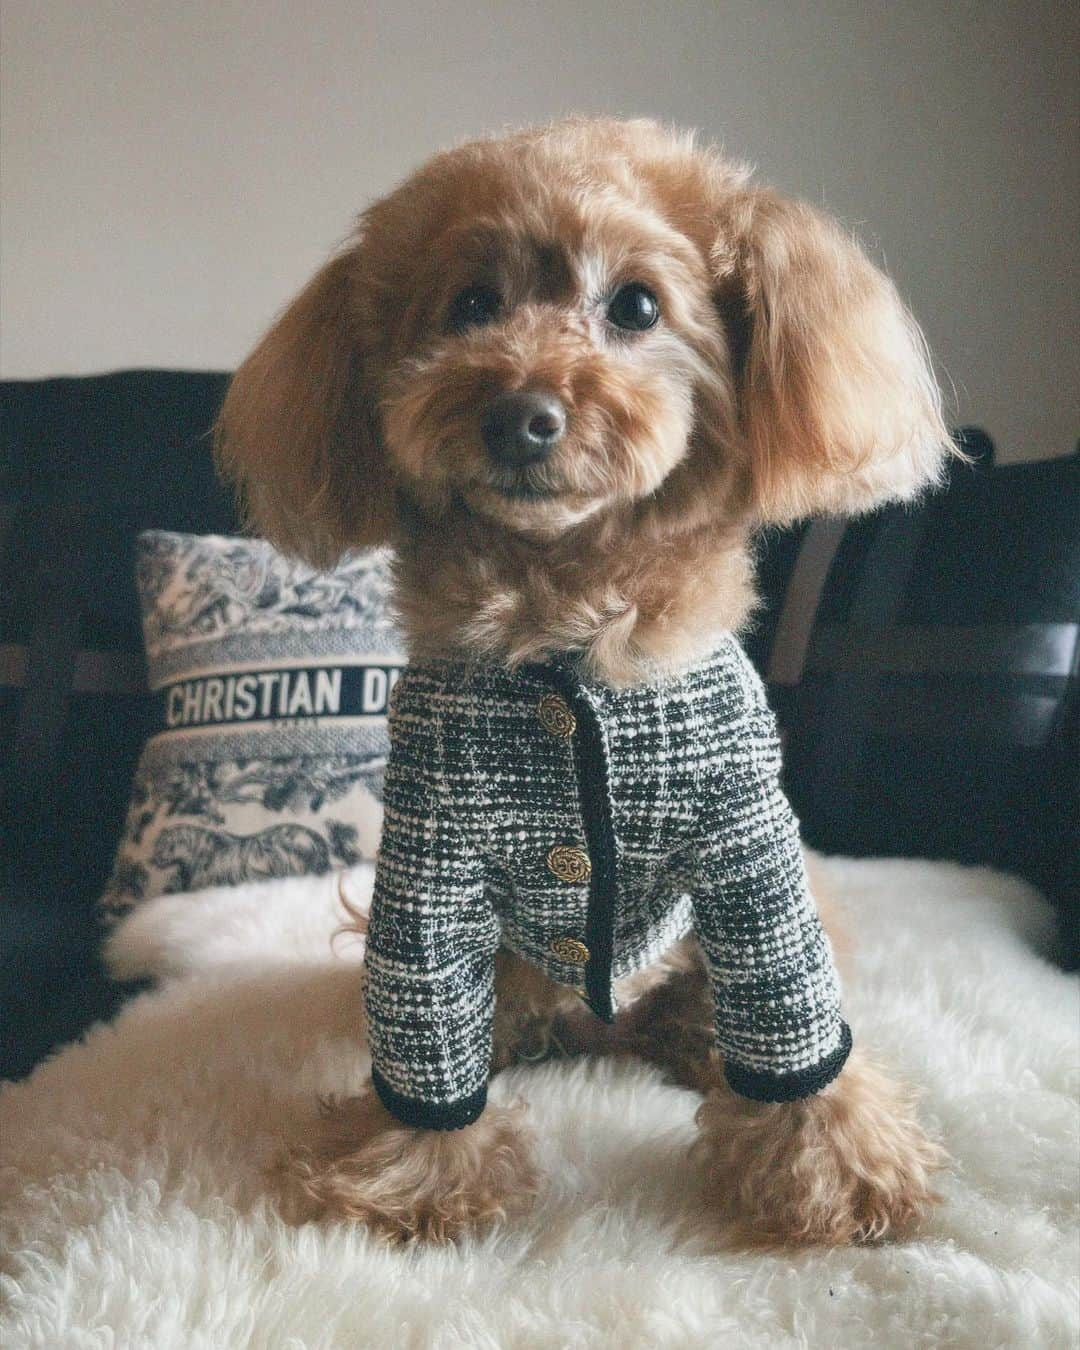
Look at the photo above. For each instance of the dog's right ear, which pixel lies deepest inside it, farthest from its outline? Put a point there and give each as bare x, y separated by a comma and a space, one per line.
298, 431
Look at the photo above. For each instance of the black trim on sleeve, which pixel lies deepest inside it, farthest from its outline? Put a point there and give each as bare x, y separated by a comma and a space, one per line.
789, 1087
430, 1115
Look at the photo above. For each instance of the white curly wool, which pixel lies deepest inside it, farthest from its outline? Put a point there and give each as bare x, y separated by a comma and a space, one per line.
136, 1213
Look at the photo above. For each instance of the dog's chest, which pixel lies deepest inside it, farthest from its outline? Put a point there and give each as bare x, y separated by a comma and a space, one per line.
568, 777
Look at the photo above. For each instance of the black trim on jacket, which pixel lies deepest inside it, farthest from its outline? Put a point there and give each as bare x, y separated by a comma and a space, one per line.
789, 1087
430, 1115
590, 762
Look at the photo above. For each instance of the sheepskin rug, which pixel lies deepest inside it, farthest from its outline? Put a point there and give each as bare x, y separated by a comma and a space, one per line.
137, 1212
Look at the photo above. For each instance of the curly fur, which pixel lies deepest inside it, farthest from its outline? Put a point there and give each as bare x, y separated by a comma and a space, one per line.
848, 1165
411, 1184
784, 378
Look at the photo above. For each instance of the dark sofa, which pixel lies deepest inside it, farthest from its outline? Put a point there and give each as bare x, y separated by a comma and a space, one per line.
923, 661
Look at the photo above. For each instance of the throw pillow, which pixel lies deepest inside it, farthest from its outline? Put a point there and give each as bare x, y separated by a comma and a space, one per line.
270, 684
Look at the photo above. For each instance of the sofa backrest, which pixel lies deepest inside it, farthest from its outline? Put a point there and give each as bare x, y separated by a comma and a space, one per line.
85, 464
922, 660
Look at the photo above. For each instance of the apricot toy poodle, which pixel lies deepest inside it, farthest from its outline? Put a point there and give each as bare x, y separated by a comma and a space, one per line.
567, 373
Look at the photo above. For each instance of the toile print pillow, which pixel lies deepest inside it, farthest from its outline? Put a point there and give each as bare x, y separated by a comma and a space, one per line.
269, 685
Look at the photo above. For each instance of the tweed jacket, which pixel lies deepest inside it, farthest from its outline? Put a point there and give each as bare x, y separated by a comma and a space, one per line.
588, 828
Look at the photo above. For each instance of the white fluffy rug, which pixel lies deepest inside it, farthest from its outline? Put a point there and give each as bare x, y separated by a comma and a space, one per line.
135, 1211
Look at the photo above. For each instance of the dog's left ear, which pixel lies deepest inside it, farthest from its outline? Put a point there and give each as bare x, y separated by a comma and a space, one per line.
838, 405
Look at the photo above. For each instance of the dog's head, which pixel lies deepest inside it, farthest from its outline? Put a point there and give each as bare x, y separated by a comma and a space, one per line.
564, 321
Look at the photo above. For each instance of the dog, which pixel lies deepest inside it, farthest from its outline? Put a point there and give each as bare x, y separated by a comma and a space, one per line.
568, 373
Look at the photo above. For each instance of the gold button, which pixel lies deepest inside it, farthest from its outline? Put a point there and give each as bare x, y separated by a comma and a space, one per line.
569, 863
570, 949
555, 715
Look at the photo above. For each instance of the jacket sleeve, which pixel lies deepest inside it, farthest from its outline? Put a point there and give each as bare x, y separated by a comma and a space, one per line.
429, 984
774, 982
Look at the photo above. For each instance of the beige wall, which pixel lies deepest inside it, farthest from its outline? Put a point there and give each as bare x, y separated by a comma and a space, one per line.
171, 172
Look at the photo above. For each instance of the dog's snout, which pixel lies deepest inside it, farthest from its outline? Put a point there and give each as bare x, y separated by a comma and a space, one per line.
523, 427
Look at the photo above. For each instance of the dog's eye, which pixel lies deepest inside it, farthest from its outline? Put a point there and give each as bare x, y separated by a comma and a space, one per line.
633, 306
474, 306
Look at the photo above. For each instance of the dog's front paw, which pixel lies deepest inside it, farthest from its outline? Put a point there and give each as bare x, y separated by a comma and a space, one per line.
849, 1165
406, 1184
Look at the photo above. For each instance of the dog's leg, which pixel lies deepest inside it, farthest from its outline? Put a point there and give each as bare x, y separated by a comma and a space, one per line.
847, 1165
851, 1164
406, 1183
536, 1019
669, 1017
361, 1163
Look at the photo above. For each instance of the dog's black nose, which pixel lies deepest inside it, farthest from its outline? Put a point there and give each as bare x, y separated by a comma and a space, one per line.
523, 427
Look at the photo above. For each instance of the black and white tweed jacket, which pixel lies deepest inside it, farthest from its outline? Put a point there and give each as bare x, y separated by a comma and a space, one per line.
587, 829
